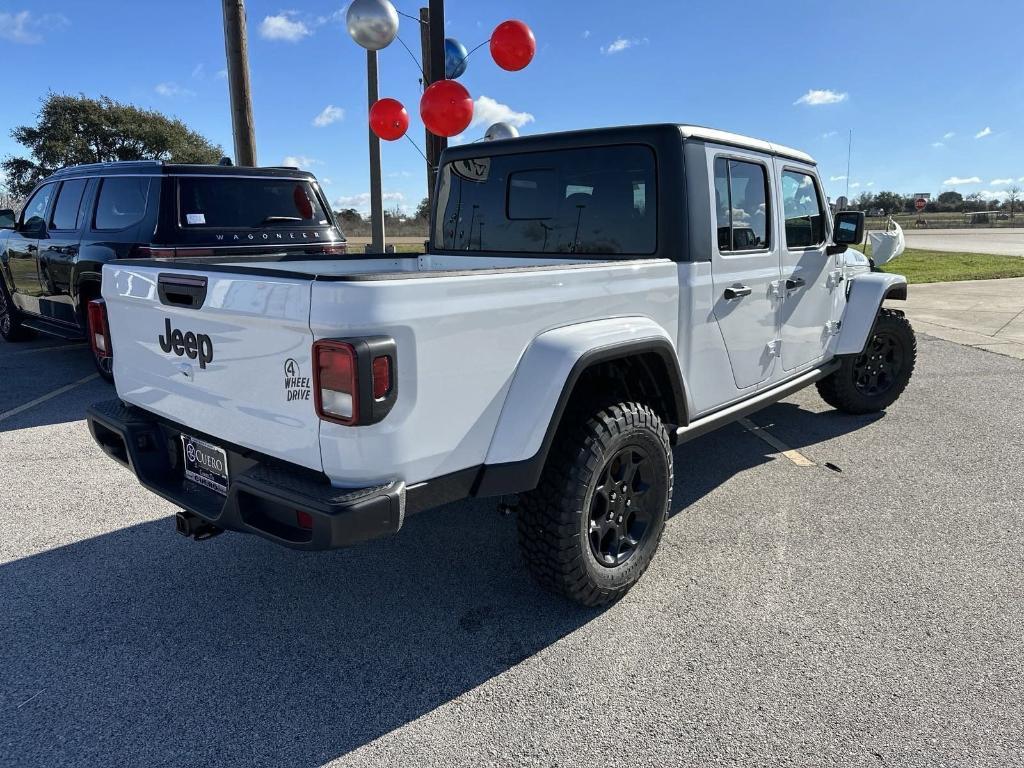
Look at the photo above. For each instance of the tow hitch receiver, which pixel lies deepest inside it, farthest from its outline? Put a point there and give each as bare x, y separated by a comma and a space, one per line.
194, 527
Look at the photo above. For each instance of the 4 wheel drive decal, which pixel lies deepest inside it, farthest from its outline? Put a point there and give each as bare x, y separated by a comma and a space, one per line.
296, 386
191, 345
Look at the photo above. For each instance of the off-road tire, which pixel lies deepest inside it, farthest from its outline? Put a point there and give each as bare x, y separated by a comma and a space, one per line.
554, 520
874, 380
11, 328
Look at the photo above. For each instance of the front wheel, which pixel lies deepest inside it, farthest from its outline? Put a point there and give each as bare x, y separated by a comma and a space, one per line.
11, 328
591, 527
874, 380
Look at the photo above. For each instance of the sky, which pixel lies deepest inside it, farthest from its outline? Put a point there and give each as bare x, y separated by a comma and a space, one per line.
932, 91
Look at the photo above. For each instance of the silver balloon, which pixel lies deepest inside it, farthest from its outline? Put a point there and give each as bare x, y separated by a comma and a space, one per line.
372, 23
500, 131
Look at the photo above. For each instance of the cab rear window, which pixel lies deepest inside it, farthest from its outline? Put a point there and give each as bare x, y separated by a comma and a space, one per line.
248, 203
587, 201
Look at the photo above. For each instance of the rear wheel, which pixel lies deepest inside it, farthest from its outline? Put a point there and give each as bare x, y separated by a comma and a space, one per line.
591, 527
11, 328
874, 380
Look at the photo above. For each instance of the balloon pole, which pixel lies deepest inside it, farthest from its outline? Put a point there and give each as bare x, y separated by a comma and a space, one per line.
376, 182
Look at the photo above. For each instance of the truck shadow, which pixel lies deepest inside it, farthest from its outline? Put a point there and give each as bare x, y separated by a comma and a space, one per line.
139, 647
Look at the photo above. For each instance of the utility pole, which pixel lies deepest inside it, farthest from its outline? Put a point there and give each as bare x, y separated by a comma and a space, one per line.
237, 49
376, 185
428, 142
437, 72
432, 45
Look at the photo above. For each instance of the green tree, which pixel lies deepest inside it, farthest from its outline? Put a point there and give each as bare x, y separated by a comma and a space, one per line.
75, 129
423, 210
890, 202
950, 201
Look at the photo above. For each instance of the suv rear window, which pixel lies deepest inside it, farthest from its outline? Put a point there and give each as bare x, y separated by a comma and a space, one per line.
234, 203
591, 201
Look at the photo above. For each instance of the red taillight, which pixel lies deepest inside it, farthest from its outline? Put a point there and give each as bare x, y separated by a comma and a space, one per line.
381, 377
304, 520
336, 381
99, 331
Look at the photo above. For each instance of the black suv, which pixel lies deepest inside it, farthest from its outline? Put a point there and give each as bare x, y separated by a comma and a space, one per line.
52, 254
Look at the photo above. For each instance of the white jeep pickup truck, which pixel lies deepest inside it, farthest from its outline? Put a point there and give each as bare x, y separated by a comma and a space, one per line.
586, 301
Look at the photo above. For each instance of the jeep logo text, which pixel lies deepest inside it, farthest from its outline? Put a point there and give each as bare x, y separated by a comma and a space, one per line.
191, 345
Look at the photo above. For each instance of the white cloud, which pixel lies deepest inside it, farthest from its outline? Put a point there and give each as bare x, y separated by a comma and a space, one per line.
837, 178
987, 194
325, 181
829, 134
22, 27
222, 73
361, 202
855, 185
299, 161
487, 111
284, 26
937, 144
986, 131
199, 71
171, 90
815, 98
954, 180
998, 182
621, 44
870, 184
948, 135
330, 114
586, 34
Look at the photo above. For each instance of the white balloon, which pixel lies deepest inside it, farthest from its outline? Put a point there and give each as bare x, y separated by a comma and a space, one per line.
372, 23
500, 131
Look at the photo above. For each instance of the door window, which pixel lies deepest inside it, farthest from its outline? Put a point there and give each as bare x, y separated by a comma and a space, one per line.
33, 215
741, 202
122, 202
69, 199
801, 203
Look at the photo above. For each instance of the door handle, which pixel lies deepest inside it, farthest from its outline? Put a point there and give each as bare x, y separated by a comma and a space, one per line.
737, 291
795, 282
32, 248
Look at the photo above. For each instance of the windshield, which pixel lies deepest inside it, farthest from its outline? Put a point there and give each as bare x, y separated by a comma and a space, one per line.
239, 203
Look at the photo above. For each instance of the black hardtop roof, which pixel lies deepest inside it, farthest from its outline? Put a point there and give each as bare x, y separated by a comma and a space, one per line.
653, 133
161, 168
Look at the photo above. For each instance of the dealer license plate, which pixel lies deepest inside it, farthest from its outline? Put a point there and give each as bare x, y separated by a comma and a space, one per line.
205, 464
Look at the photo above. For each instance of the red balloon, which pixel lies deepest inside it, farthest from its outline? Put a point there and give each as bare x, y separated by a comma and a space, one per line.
513, 45
388, 119
446, 108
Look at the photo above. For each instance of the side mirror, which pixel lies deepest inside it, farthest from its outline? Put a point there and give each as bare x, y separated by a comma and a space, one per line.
848, 228
7, 218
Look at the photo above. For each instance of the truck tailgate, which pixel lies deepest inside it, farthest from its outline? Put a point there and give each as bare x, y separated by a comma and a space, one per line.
225, 354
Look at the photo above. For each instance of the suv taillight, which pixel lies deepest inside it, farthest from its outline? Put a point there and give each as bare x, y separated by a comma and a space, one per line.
99, 329
354, 379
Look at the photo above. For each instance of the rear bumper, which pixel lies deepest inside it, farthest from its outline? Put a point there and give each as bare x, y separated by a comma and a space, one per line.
263, 496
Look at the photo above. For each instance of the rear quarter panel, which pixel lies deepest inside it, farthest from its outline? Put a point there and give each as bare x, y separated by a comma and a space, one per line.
460, 340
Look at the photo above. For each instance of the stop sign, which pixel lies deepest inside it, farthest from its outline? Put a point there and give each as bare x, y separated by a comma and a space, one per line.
920, 203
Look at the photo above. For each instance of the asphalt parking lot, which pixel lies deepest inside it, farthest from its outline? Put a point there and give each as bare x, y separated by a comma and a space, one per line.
867, 614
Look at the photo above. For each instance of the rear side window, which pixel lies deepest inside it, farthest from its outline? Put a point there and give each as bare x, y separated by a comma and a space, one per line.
69, 199
122, 202
596, 201
34, 212
801, 203
741, 202
248, 203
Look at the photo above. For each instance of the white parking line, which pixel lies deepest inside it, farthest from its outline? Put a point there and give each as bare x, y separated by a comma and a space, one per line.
44, 398
78, 345
795, 456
